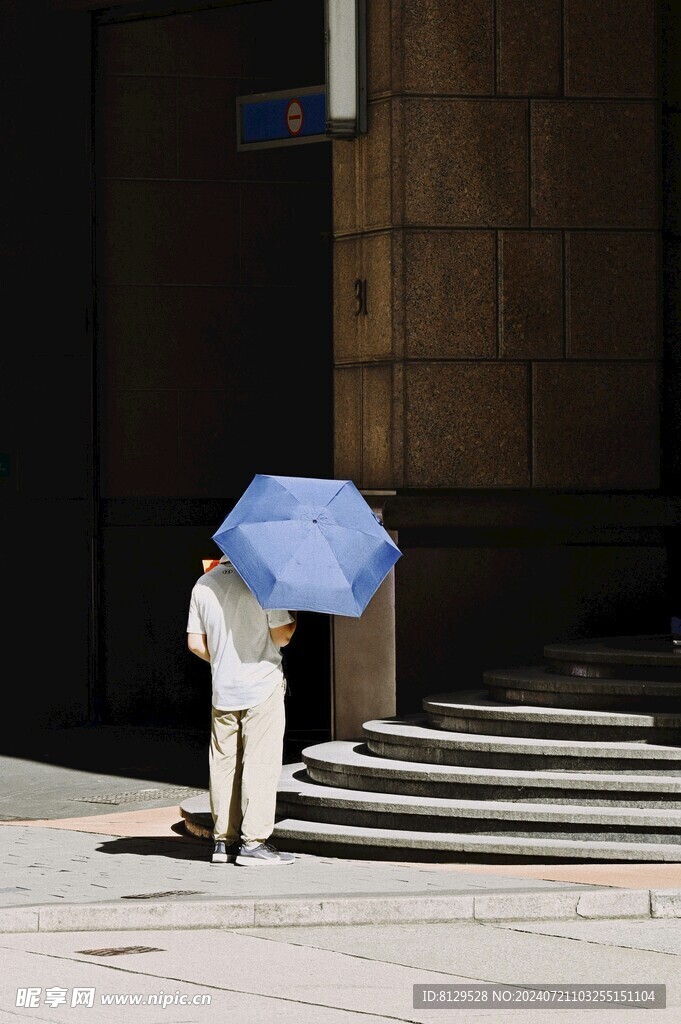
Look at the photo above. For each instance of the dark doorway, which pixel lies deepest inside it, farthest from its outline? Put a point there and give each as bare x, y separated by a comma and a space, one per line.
213, 326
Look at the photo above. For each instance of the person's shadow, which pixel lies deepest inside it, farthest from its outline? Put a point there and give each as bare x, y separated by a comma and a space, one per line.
183, 845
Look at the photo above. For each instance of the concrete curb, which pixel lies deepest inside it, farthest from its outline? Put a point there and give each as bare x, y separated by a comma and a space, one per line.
603, 904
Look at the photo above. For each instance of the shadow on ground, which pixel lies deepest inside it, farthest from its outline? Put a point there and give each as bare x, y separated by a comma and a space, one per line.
182, 846
174, 756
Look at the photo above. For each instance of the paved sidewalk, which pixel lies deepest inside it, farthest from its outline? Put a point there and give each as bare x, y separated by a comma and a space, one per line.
139, 869
103, 891
91, 837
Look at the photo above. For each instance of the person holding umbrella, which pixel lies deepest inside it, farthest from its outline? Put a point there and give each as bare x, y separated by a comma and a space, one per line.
306, 543
242, 643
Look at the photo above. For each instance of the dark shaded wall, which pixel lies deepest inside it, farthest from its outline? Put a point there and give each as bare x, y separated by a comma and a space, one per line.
108, 495
670, 125
46, 512
521, 574
670, 131
505, 209
213, 328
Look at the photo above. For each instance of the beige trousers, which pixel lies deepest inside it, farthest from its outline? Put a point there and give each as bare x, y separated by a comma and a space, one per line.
245, 759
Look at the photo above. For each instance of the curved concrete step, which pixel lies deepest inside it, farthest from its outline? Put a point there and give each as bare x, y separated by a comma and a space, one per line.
473, 711
408, 738
349, 765
299, 797
541, 686
396, 844
652, 656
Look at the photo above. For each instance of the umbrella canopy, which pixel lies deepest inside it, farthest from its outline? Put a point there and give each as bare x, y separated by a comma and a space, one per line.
307, 544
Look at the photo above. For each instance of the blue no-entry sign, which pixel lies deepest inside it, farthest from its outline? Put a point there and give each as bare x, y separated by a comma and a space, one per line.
281, 118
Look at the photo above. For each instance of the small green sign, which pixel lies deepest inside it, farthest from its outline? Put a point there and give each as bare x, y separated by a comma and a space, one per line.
5, 464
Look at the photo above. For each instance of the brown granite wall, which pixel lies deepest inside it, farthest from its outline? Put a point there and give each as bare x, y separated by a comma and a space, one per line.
503, 209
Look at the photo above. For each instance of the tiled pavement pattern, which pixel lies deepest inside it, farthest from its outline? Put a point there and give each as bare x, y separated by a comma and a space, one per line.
43, 865
136, 869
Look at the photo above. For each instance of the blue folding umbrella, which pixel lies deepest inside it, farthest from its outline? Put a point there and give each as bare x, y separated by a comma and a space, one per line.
307, 544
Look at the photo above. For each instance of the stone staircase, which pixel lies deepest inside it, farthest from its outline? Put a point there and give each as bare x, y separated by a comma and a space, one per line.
579, 758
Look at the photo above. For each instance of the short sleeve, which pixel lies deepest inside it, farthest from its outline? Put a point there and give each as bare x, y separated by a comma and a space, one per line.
277, 617
194, 619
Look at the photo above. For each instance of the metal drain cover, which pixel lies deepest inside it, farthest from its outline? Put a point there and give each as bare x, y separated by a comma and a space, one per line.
156, 895
119, 950
140, 794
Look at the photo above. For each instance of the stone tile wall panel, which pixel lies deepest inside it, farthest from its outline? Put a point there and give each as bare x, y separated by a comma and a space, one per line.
377, 426
379, 49
596, 425
531, 294
143, 220
612, 288
348, 423
467, 425
448, 48
450, 294
529, 47
142, 120
594, 165
346, 206
610, 48
376, 150
465, 162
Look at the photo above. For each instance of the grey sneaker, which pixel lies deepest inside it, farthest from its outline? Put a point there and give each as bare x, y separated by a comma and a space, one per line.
263, 854
224, 853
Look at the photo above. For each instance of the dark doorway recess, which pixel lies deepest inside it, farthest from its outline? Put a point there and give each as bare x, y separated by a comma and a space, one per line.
213, 327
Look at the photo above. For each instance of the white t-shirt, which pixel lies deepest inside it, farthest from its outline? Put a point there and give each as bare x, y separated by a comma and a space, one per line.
245, 663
